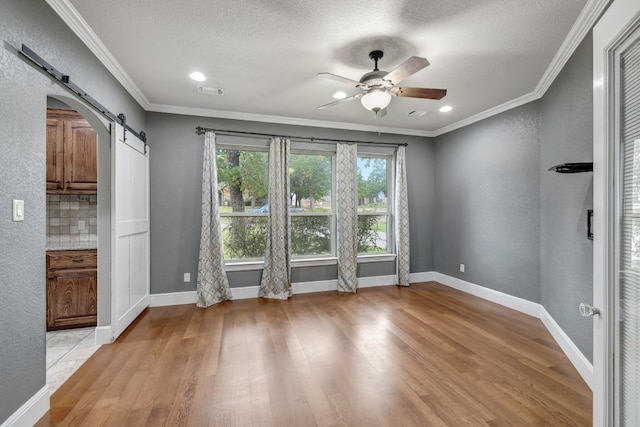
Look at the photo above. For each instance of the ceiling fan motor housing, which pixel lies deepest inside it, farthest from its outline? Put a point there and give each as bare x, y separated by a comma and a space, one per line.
375, 78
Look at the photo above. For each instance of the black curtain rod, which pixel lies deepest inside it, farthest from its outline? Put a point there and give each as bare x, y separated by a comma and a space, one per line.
65, 81
200, 130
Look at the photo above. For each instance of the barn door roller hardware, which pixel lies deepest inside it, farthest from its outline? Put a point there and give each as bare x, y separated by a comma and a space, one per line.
65, 80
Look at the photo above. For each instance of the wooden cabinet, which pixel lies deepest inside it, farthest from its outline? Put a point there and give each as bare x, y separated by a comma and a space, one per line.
72, 166
72, 278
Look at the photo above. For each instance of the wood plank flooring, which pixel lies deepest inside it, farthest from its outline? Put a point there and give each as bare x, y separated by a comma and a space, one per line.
426, 355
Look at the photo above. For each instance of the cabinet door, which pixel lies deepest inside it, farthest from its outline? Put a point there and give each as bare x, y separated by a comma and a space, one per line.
80, 157
72, 298
55, 164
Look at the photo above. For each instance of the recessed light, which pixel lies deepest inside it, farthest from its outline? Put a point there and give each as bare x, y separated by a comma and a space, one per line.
446, 109
197, 76
339, 95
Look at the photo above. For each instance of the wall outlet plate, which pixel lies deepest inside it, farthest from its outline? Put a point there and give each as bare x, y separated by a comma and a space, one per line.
461, 268
187, 277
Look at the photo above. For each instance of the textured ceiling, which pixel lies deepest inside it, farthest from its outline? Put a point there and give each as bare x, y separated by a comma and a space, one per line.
265, 54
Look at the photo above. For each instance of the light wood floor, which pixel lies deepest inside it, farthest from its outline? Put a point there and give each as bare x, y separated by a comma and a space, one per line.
420, 356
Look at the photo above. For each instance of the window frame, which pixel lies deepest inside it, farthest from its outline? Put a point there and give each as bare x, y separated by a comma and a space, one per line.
233, 142
389, 214
332, 214
243, 147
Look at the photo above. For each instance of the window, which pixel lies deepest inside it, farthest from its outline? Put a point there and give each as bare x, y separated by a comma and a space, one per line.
243, 194
242, 186
312, 216
374, 228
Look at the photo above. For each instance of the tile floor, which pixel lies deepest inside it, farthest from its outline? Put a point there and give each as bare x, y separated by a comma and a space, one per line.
67, 350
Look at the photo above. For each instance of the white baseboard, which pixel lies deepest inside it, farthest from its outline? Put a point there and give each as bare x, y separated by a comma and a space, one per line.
103, 335
317, 286
425, 276
519, 304
575, 356
173, 298
374, 281
31, 411
581, 363
246, 292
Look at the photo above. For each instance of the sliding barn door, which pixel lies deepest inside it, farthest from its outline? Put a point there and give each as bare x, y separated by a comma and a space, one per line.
130, 232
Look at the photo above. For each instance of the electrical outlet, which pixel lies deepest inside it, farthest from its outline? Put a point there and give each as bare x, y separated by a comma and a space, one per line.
187, 277
82, 225
461, 268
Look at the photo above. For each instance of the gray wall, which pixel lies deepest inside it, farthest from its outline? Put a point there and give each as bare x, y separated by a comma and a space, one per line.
566, 255
518, 228
176, 174
23, 97
487, 203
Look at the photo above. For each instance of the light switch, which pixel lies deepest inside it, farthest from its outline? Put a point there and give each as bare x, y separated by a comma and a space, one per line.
18, 210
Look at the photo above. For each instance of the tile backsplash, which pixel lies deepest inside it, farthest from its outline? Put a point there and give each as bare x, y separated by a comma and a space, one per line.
72, 218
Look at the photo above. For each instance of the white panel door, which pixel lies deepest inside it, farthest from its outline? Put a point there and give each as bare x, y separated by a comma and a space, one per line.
130, 270
616, 287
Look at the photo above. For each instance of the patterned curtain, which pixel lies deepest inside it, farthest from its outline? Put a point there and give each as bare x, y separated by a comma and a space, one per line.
213, 285
276, 275
401, 214
347, 216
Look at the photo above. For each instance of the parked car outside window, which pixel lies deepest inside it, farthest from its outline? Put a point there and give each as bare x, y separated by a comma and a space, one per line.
265, 209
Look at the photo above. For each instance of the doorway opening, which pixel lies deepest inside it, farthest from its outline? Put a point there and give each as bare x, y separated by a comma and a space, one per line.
78, 236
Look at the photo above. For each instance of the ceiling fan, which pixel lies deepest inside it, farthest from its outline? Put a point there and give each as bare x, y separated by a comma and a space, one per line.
379, 86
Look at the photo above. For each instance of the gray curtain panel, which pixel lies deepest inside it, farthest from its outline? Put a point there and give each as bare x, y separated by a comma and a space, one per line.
347, 216
401, 218
213, 284
276, 274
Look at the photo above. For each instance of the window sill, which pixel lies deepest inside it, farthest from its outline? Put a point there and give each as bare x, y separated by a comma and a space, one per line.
376, 258
244, 266
309, 262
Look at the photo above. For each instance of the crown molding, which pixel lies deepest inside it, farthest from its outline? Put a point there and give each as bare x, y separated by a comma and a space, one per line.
487, 113
585, 22
70, 15
204, 112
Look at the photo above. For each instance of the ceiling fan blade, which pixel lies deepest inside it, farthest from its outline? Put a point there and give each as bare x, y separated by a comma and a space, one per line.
340, 79
419, 92
407, 68
340, 101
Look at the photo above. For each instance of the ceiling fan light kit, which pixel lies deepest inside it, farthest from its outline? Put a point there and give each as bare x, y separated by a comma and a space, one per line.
376, 100
377, 87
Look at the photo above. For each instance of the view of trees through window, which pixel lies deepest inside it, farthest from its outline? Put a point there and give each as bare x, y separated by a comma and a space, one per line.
373, 209
243, 190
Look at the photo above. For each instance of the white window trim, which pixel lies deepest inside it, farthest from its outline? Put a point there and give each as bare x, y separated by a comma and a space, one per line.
391, 192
